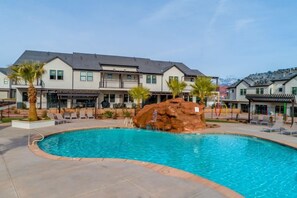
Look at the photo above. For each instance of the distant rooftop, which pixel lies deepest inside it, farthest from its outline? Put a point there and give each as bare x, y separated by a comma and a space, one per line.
96, 61
267, 78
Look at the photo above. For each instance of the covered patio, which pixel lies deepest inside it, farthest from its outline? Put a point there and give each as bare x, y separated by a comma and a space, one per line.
271, 98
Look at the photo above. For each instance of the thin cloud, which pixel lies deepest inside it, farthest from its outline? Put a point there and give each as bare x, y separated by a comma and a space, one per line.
220, 9
243, 23
172, 10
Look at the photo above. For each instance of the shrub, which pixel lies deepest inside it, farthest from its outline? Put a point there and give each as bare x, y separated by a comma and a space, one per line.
44, 114
108, 114
126, 113
115, 115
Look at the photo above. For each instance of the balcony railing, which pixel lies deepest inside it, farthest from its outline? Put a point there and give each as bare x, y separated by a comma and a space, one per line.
117, 84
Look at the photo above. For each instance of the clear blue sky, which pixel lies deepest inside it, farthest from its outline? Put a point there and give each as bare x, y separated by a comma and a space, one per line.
218, 37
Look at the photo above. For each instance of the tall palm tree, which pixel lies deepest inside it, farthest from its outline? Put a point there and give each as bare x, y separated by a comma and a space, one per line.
139, 93
28, 72
176, 87
202, 88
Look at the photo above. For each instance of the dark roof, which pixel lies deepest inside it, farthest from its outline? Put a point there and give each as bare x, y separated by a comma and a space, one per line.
4, 70
267, 78
96, 61
271, 97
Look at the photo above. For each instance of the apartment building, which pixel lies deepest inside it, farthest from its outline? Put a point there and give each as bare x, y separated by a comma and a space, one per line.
81, 79
273, 91
4, 84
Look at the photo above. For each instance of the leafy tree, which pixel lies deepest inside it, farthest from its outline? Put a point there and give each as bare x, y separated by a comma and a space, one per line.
202, 88
139, 93
176, 87
28, 72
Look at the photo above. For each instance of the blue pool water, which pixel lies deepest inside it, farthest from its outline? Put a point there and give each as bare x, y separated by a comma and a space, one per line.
250, 166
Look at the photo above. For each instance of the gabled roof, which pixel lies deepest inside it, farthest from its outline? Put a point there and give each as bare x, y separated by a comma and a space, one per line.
95, 62
267, 78
4, 71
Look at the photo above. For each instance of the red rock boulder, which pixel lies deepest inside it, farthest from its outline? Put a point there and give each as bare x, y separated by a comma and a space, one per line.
175, 115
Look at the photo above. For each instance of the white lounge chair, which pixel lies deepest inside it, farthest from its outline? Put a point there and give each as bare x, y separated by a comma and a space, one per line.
82, 114
73, 115
265, 120
291, 131
90, 115
277, 126
60, 117
255, 119
67, 115
52, 117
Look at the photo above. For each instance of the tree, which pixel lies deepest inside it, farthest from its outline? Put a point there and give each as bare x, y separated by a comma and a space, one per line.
139, 93
28, 72
176, 87
202, 88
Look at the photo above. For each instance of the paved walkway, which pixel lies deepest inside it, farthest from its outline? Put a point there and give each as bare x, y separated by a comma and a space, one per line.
23, 174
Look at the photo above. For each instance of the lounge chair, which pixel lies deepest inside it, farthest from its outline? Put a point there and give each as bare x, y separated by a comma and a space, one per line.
67, 115
265, 120
73, 115
60, 117
255, 119
277, 126
291, 131
82, 114
52, 117
90, 115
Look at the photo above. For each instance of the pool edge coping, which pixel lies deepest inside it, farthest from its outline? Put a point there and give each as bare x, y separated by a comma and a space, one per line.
161, 169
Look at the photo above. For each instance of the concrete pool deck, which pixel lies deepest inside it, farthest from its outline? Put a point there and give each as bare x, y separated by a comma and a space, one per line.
25, 174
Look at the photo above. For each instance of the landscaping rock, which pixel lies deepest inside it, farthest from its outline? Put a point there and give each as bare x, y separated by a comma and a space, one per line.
175, 115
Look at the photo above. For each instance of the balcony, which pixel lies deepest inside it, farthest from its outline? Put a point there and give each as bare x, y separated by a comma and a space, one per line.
23, 84
118, 84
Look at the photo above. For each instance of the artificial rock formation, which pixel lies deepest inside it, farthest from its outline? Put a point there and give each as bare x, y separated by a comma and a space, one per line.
175, 115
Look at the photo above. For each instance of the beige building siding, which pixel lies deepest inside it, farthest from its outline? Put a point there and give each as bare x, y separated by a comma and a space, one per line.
78, 84
57, 64
4, 81
242, 85
115, 68
151, 86
173, 71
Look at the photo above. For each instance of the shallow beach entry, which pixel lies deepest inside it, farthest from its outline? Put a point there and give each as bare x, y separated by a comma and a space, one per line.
250, 166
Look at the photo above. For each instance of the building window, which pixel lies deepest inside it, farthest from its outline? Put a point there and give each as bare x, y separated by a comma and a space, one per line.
151, 79
109, 76
148, 79
294, 90
259, 90
109, 97
83, 76
242, 92
60, 75
232, 91
129, 77
89, 76
52, 74
5, 81
25, 97
173, 77
128, 98
280, 89
154, 79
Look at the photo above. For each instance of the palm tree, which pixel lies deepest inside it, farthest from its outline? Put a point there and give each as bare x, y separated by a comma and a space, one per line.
176, 87
202, 88
139, 93
28, 72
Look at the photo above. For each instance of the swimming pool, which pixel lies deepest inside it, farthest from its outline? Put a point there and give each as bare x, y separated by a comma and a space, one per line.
250, 166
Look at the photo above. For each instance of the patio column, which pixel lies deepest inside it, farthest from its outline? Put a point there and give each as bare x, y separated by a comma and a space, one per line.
249, 110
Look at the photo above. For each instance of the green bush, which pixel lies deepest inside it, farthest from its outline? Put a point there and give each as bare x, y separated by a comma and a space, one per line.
108, 114
126, 113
